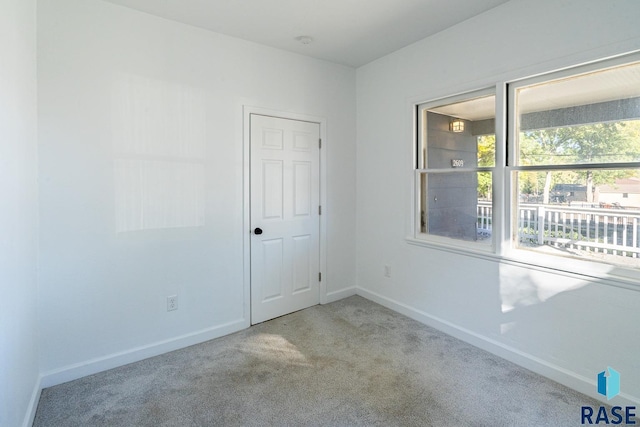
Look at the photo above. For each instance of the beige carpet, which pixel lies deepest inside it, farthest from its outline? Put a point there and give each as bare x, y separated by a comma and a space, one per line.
350, 363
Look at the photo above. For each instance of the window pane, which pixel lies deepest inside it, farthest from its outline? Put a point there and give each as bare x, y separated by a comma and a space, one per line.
486, 150
459, 134
593, 215
456, 205
591, 118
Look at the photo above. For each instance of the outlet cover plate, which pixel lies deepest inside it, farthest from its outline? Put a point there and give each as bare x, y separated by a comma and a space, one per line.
172, 302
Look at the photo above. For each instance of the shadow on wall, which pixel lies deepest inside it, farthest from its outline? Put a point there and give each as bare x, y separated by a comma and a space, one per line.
571, 322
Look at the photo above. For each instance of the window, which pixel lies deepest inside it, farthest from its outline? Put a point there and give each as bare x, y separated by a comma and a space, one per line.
454, 164
575, 158
566, 179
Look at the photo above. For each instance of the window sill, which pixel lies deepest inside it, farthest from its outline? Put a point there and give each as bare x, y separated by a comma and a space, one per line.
457, 247
606, 274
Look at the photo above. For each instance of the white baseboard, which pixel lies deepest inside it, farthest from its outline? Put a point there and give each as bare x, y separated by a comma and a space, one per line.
338, 295
33, 404
556, 373
79, 370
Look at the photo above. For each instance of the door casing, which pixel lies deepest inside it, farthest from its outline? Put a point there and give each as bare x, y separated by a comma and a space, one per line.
246, 221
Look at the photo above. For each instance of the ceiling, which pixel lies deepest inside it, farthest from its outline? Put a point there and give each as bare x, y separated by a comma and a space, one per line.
601, 86
349, 32
471, 109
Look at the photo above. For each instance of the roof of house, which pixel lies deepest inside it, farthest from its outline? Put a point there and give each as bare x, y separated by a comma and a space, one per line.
626, 185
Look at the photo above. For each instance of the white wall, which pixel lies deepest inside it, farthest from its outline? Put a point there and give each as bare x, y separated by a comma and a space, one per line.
565, 327
123, 94
126, 97
19, 371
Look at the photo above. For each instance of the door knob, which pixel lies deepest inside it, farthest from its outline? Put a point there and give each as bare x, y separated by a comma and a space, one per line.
258, 230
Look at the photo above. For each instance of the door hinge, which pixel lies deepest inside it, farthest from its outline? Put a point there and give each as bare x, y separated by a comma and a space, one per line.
320, 143
319, 277
319, 210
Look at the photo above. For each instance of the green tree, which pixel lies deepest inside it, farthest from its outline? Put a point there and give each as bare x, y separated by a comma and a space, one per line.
595, 143
542, 147
486, 158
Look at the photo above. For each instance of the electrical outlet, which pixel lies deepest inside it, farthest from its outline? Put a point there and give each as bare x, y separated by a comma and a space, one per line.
172, 302
387, 271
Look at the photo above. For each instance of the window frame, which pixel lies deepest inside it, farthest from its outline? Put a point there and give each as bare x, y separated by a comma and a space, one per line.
419, 168
503, 248
510, 246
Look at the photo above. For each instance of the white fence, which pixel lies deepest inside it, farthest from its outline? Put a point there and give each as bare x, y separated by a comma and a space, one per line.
607, 231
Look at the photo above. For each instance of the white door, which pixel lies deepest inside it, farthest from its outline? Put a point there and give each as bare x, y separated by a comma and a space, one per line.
285, 223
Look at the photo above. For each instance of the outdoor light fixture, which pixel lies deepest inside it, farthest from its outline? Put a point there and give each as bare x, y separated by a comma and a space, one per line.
456, 126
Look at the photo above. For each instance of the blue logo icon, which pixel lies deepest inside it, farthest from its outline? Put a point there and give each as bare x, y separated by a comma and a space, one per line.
609, 385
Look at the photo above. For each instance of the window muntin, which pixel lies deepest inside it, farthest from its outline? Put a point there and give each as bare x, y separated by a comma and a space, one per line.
576, 152
456, 157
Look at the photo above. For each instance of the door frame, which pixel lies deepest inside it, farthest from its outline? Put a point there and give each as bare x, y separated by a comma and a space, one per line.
246, 199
